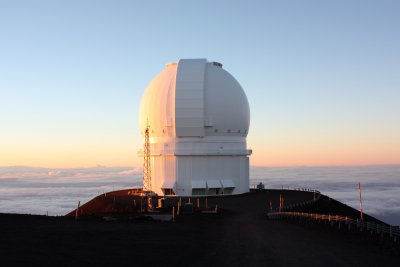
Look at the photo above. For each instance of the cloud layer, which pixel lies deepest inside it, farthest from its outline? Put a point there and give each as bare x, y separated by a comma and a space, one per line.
38, 190
57, 191
380, 185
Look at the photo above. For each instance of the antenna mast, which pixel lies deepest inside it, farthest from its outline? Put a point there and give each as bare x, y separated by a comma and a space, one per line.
361, 208
146, 162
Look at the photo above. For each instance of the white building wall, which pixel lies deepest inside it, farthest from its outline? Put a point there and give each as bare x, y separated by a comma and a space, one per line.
181, 171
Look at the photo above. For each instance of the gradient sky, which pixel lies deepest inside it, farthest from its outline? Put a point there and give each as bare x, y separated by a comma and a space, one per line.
322, 77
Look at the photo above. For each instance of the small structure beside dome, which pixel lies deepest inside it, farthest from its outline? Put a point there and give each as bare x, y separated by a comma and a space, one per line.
199, 117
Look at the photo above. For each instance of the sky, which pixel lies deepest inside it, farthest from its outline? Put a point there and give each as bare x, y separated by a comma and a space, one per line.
322, 77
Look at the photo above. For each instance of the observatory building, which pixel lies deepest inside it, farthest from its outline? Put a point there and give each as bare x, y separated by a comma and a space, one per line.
197, 117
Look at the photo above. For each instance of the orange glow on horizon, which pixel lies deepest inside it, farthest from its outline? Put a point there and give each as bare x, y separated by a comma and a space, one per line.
123, 156
89, 152
325, 154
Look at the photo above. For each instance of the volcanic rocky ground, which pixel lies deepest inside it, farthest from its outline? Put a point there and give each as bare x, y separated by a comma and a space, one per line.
240, 234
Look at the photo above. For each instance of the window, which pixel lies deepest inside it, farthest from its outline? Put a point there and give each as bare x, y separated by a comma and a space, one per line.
228, 190
198, 191
168, 191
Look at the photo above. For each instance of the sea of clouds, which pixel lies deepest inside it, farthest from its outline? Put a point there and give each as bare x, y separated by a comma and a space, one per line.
58, 190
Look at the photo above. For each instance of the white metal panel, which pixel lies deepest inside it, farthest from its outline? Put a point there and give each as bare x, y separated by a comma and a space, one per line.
199, 184
213, 184
189, 97
168, 184
225, 104
158, 103
227, 183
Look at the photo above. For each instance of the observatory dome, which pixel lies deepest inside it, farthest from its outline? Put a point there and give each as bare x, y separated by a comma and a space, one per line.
194, 98
195, 118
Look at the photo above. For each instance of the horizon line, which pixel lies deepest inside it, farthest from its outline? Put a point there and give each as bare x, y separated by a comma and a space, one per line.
264, 166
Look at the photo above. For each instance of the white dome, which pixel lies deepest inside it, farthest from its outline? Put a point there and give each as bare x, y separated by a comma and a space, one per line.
194, 98
199, 119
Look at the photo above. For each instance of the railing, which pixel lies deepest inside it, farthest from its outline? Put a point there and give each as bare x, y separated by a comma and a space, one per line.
317, 196
342, 221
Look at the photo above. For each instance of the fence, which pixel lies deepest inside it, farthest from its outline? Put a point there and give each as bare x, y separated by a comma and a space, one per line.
341, 222
317, 196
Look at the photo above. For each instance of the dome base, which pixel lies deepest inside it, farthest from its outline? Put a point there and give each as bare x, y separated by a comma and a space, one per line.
200, 175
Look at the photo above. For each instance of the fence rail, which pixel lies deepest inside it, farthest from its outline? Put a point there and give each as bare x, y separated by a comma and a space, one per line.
317, 196
342, 221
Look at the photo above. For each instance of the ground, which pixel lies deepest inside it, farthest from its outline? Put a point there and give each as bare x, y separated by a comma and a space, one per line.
240, 234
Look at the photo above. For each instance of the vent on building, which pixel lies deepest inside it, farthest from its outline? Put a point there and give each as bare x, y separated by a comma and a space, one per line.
217, 64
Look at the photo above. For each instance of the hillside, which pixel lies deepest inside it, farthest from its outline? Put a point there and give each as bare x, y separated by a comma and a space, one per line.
239, 234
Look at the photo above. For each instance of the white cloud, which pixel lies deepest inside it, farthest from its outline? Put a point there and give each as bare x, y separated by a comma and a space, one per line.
132, 171
37, 190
